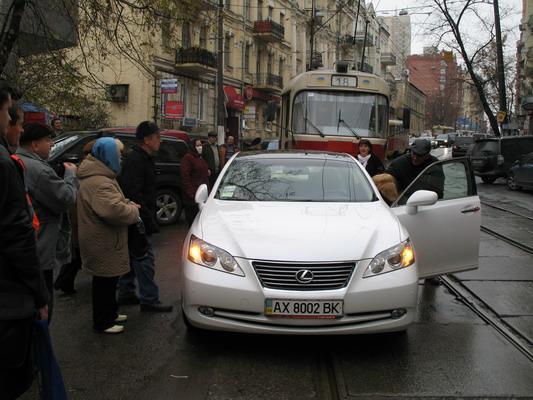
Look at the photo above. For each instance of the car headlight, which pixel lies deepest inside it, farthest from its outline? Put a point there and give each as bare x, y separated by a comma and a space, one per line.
207, 255
400, 256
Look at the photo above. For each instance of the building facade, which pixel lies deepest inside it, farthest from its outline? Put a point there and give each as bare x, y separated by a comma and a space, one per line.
524, 85
265, 44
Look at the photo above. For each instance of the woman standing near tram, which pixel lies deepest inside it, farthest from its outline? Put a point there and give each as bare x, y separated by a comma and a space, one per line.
369, 160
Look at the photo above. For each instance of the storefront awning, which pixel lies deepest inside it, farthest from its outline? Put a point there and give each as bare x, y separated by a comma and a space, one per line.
233, 99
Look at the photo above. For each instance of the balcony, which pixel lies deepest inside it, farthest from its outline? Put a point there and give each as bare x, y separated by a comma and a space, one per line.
360, 38
347, 41
268, 82
269, 31
388, 59
195, 61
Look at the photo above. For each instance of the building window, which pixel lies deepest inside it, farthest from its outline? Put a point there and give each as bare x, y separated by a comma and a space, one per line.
247, 10
203, 37
269, 64
258, 63
247, 59
186, 35
281, 66
227, 4
270, 12
203, 96
259, 10
227, 51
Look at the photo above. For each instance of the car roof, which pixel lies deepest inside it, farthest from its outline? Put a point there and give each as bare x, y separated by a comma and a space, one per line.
121, 131
321, 155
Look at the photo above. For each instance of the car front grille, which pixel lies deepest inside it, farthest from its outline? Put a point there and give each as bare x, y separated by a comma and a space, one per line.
325, 276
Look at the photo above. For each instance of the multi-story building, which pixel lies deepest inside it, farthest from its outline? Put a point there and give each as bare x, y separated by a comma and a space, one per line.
439, 77
400, 38
524, 85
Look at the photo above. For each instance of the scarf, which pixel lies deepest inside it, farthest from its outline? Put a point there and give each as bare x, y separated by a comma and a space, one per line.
105, 149
363, 160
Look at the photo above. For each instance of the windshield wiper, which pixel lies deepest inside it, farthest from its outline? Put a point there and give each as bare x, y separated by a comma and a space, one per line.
340, 120
314, 126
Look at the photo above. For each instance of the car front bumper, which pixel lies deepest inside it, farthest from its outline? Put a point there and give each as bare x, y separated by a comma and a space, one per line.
237, 303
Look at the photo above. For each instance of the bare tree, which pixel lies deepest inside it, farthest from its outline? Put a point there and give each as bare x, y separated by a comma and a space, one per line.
467, 27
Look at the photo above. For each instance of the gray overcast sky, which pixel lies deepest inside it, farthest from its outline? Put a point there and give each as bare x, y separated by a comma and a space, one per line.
418, 20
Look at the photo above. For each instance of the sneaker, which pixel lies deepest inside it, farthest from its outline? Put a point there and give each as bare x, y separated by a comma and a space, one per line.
128, 300
121, 318
156, 307
114, 329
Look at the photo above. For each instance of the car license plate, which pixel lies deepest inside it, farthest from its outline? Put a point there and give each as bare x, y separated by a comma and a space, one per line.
305, 309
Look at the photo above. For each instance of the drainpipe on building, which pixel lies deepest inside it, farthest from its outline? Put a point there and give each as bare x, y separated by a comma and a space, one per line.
221, 112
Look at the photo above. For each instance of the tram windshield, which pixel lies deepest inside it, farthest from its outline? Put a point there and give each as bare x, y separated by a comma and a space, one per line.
336, 113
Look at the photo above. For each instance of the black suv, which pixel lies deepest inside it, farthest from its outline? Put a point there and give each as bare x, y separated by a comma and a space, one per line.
492, 158
69, 146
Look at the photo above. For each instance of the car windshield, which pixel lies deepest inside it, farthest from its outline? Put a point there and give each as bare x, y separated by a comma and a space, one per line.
62, 143
486, 146
294, 179
340, 114
443, 136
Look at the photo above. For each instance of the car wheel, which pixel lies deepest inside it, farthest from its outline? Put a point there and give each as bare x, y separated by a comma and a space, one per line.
168, 206
511, 182
488, 179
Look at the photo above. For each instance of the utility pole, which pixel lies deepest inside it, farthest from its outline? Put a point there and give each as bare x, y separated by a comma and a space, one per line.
355, 35
221, 108
499, 63
367, 21
312, 34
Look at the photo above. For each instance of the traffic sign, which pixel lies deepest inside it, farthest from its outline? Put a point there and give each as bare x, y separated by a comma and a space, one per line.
501, 116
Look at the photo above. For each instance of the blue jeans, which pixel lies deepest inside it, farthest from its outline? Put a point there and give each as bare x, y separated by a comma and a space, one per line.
144, 270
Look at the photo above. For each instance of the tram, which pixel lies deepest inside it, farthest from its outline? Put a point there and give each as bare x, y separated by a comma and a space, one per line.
332, 110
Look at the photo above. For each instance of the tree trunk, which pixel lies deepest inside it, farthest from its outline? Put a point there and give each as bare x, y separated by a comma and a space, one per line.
12, 32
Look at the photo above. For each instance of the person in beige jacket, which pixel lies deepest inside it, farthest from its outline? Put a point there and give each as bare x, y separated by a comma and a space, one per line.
103, 218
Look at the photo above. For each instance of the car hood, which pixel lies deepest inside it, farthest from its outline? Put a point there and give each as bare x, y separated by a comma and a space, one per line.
299, 231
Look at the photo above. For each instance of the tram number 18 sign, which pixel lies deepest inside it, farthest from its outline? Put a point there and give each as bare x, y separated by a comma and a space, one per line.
346, 81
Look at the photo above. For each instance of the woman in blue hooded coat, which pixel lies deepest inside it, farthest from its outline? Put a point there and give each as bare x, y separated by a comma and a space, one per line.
103, 218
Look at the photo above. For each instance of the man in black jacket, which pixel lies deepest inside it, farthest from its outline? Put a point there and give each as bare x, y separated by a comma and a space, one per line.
22, 288
211, 155
137, 180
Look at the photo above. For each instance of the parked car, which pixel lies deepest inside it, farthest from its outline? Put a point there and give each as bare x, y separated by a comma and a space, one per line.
301, 242
493, 157
520, 176
272, 144
69, 146
429, 136
461, 145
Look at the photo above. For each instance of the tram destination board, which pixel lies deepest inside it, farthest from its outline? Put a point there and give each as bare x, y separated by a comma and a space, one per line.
344, 81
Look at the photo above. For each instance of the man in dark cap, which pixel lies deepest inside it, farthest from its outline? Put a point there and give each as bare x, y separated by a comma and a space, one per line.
407, 167
211, 155
51, 195
137, 180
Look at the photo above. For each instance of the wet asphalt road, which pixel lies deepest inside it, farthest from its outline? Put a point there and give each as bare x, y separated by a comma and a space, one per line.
449, 351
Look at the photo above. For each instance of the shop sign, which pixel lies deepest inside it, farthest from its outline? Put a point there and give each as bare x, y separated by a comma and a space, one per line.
174, 109
249, 112
189, 121
169, 86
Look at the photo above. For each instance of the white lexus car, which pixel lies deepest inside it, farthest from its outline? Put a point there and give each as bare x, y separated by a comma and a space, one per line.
303, 243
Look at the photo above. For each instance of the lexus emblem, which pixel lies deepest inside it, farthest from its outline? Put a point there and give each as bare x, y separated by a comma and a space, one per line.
304, 276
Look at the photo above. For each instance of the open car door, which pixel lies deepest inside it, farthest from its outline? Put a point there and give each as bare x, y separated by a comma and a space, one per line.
445, 235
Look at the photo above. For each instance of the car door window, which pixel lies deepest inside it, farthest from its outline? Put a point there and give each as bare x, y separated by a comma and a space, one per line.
450, 180
171, 152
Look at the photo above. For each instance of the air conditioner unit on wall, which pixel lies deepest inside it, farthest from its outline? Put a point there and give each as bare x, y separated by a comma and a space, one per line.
118, 93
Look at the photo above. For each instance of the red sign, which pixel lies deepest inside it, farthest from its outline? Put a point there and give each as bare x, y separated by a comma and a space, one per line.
233, 99
174, 109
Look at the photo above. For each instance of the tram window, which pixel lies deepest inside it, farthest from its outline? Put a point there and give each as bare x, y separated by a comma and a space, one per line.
340, 113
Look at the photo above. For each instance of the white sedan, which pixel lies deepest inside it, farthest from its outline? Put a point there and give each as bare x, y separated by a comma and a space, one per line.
303, 243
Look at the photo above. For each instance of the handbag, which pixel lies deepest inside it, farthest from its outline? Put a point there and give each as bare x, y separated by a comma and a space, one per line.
137, 241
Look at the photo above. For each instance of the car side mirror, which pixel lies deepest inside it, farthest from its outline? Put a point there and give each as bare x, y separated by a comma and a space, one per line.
201, 196
420, 198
